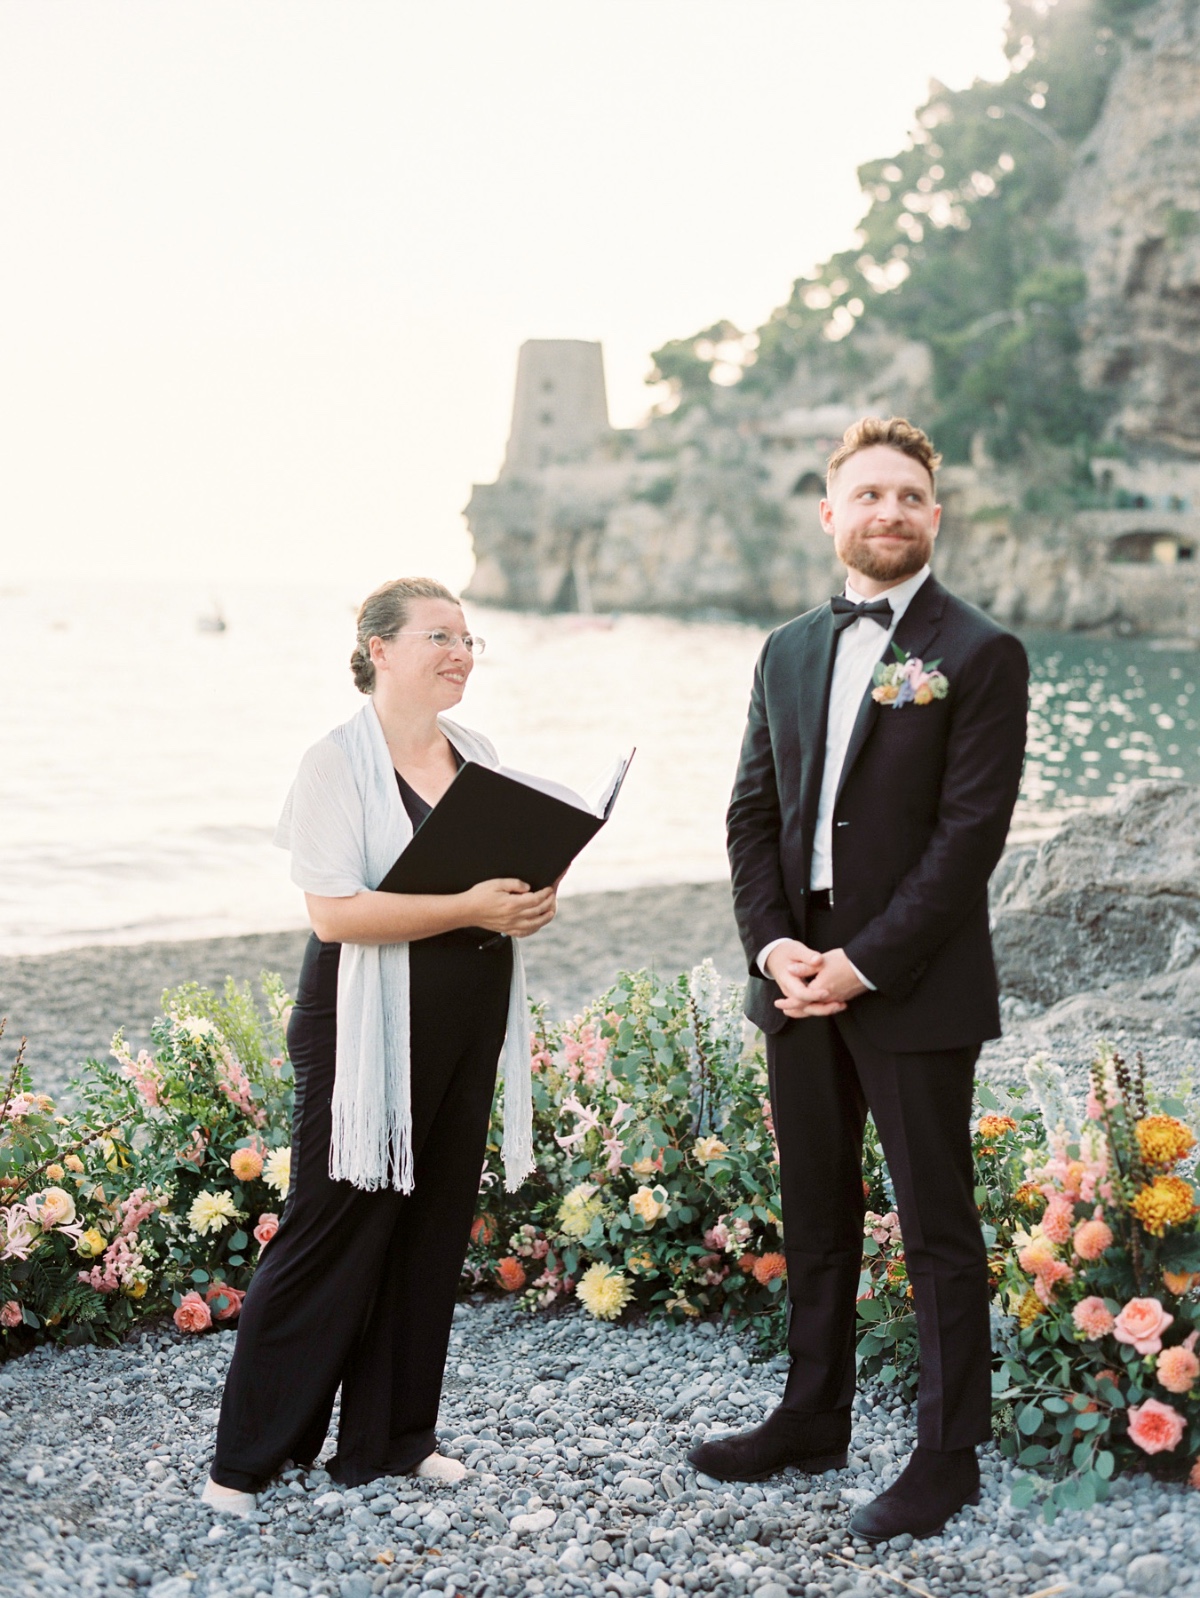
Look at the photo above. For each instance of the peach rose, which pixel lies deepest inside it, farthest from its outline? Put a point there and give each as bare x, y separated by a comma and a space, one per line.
1093, 1318
233, 1297
1092, 1238
647, 1204
10, 1315
1056, 1222
1141, 1324
1155, 1428
246, 1164
1179, 1282
769, 1267
193, 1314
1178, 1369
268, 1225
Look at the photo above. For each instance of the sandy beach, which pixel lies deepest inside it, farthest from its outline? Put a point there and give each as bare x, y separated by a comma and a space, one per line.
70, 1003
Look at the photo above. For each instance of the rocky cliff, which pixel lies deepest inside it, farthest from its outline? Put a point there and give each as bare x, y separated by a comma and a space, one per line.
1027, 278
1098, 928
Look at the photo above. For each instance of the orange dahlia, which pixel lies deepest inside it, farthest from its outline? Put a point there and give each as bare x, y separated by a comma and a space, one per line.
1167, 1201
769, 1268
992, 1127
510, 1273
1163, 1140
483, 1230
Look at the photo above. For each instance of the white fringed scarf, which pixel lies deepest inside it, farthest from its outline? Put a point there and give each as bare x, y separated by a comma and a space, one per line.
344, 823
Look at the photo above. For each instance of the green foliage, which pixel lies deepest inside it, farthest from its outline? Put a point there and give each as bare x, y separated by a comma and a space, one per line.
958, 250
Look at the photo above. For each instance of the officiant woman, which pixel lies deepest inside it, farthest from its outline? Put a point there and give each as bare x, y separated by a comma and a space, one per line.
405, 1005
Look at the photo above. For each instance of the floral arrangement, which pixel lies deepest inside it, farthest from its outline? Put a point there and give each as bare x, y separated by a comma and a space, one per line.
656, 1189
908, 681
1099, 1372
657, 1181
162, 1190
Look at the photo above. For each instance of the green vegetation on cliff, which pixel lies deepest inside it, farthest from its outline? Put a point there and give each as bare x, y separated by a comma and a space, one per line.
959, 249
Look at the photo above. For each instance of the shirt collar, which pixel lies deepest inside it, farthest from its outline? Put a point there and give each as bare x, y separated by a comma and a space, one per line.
899, 597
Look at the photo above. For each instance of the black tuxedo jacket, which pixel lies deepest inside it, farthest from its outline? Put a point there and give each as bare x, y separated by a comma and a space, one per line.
923, 808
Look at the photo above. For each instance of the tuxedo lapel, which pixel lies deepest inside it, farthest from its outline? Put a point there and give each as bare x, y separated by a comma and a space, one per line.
917, 628
815, 672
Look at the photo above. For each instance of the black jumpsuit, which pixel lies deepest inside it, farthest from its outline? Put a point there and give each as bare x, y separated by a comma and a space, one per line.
357, 1288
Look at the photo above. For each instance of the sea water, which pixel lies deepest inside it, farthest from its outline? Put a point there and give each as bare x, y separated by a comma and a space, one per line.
144, 760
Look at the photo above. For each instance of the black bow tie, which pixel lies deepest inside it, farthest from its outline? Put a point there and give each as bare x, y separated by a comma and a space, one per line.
846, 612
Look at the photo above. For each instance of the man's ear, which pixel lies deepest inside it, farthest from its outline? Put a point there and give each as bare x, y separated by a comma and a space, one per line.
827, 517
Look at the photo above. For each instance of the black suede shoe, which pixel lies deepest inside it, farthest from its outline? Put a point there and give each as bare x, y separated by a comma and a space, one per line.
809, 1442
931, 1488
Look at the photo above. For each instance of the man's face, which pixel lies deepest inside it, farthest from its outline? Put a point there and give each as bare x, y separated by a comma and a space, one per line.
881, 515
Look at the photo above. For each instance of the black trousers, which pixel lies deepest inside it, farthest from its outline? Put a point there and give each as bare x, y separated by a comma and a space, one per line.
357, 1288
824, 1076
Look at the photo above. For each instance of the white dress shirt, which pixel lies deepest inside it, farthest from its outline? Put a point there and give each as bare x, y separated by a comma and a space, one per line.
860, 647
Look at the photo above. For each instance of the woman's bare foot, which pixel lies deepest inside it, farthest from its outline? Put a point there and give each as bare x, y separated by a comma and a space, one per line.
436, 1467
227, 1500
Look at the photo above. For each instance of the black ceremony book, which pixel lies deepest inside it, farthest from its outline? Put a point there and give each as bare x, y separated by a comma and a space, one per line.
499, 823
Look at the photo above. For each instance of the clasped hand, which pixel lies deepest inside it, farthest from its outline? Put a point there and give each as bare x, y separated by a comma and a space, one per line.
812, 983
505, 904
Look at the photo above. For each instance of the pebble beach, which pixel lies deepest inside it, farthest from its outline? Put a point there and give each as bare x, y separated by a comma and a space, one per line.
575, 1432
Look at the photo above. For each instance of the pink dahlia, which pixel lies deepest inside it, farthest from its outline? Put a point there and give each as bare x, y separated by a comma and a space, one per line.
1178, 1369
1092, 1238
1093, 1318
1058, 1219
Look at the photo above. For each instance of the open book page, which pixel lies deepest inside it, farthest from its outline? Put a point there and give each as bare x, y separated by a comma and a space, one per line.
600, 791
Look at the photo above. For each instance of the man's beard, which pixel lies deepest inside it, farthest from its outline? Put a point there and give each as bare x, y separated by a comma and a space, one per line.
863, 553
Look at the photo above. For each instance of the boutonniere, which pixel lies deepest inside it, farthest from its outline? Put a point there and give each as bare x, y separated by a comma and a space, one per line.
907, 680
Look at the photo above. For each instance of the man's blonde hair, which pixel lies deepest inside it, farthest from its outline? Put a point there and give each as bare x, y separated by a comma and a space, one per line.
896, 432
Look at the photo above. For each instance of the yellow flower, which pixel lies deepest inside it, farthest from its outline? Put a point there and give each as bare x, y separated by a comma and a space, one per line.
137, 1287
211, 1211
603, 1291
91, 1243
277, 1170
684, 1304
885, 693
644, 1167
992, 1127
709, 1148
1029, 1308
55, 1173
1163, 1140
1167, 1201
641, 1262
650, 1203
579, 1209
73, 1162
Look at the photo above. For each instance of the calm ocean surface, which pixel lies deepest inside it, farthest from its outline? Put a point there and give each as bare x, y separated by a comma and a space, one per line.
143, 762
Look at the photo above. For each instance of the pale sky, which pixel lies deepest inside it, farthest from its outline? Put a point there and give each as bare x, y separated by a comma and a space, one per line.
266, 267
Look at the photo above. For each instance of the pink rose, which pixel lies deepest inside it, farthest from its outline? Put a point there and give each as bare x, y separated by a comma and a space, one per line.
1057, 1221
1155, 1428
193, 1314
1141, 1323
10, 1315
232, 1296
1093, 1318
716, 1237
268, 1225
1178, 1369
1092, 1238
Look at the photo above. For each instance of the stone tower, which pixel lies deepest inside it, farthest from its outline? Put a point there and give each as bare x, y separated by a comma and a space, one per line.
560, 410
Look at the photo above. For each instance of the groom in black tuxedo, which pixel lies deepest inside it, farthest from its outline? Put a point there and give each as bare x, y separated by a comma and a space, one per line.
862, 833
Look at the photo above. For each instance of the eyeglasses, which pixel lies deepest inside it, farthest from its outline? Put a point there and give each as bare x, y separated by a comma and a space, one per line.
444, 640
